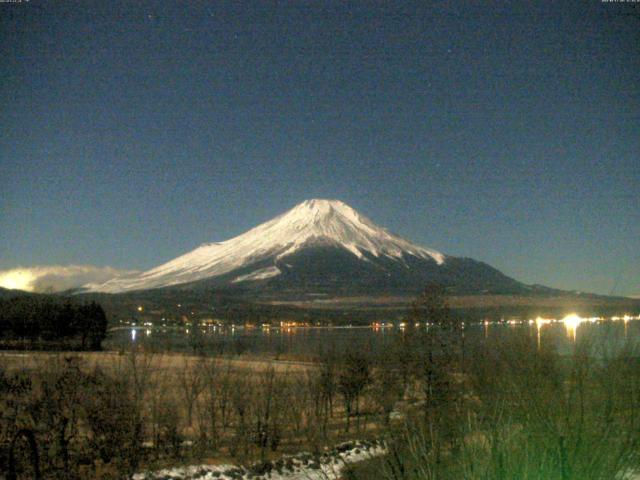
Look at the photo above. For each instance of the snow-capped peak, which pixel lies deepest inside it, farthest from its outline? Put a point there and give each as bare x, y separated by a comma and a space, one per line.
337, 222
315, 221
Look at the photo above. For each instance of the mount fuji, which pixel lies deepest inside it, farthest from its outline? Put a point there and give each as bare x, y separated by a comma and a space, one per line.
319, 247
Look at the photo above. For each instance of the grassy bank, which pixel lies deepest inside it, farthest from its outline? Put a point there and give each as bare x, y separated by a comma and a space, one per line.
520, 412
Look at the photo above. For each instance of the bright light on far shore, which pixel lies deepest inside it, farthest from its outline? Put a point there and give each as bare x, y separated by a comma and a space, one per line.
572, 321
542, 321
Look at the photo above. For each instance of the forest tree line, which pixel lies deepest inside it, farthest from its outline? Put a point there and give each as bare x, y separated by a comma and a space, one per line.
40, 322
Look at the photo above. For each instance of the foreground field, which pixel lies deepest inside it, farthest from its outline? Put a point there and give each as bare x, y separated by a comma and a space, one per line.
172, 363
504, 409
108, 415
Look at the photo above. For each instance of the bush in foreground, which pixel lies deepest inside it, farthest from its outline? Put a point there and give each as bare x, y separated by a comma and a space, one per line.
531, 414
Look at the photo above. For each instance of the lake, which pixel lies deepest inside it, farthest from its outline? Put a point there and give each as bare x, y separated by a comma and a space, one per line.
309, 341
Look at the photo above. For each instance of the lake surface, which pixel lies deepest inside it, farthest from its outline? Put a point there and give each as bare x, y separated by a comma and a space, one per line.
309, 341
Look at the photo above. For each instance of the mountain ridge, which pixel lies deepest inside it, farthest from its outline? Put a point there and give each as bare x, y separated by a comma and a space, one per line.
312, 223
318, 246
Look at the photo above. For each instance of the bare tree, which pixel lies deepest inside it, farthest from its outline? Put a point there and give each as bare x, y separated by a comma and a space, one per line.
265, 429
191, 383
241, 396
212, 397
388, 387
352, 379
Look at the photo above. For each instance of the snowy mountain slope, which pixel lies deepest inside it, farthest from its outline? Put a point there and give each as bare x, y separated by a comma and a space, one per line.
320, 225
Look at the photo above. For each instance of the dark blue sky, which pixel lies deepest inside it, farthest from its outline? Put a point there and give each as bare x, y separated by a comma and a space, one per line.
509, 132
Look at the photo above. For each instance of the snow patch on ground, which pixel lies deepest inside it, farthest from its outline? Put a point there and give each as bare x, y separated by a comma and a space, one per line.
258, 274
304, 466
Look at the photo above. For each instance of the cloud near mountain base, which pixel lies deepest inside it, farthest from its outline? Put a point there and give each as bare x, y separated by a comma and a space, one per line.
56, 278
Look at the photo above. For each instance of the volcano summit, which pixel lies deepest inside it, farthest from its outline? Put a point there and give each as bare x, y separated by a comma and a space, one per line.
318, 247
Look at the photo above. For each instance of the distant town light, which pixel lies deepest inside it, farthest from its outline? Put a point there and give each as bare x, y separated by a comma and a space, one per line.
571, 323
542, 321
572, 320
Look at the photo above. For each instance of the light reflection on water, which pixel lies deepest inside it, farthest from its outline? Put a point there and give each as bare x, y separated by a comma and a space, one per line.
562, 334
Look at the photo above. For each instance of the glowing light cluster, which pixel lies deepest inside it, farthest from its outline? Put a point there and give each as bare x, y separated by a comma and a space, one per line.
542, 321
17, 280
572, 321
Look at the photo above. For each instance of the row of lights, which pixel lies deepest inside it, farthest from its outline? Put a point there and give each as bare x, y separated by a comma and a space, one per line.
571, 320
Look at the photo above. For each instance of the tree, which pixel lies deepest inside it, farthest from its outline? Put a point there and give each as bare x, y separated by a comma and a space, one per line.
352, 380
267, 411
388, 387
192, 384
114, 420
94, 327
431, 307
443, 332
441, 344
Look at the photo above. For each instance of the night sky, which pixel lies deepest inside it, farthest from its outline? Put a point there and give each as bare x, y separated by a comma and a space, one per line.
131, 132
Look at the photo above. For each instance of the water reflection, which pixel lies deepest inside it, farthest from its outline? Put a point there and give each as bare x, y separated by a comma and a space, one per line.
626, 320
571, 323
562, 333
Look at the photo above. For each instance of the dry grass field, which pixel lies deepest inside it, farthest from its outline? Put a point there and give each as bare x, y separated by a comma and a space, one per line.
157, 362
146, 410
